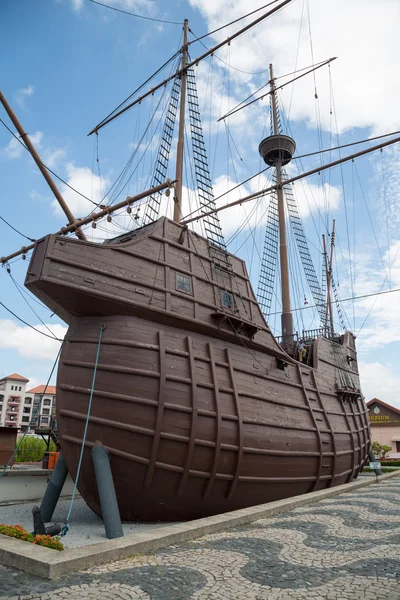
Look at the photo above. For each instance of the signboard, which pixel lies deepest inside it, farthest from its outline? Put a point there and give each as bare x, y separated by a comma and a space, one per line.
381, 415
375, 465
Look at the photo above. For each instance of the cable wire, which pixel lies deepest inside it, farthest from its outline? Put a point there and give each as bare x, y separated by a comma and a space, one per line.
16, 230
48, 168
28, 325
232, 22
125, 12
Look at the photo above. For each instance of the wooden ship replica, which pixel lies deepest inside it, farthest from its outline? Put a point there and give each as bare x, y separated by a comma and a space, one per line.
202, 409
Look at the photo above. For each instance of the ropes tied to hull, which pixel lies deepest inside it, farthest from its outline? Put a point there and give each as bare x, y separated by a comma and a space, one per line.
64, 529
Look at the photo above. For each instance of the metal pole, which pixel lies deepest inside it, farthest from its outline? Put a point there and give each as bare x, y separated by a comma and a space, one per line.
373, 459
95, 216
286, 317
53, 490
42, 168
181, 134
106, 489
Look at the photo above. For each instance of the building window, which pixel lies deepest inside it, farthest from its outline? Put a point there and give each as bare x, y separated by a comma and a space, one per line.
184, 283
46, 402
12, 387
25, 419
19, 388
226, 299
28, 400
27, 410
44, 419
46, 411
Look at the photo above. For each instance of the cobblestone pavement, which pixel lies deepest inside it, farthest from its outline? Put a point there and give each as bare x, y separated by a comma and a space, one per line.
343, 548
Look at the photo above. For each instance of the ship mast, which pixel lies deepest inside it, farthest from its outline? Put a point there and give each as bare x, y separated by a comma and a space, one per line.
277, 151
42, 168
328, 270
181, 133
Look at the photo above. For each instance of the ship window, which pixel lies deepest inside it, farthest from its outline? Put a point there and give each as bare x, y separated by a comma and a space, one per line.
223, 277
226, 299
183, 283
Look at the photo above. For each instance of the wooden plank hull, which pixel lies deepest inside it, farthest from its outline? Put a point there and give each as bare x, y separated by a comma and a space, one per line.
200, 416
196, 427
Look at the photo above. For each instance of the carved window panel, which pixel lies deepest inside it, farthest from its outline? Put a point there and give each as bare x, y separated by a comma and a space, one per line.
227, 300
184, 283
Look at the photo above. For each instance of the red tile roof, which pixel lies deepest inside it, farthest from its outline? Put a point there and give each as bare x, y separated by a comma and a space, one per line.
389, 406
14, 376
51, 390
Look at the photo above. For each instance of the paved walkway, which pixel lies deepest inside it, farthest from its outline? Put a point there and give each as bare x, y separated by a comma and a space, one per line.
342, 548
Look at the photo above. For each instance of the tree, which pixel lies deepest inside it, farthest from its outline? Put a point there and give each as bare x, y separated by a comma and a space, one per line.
377, 449
385, 450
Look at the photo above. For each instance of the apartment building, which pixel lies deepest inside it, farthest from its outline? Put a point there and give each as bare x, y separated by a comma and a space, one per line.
12, 396
47, 401
17, 404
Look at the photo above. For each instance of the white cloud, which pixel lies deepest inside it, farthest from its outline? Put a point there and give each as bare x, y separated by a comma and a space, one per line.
76, 5
365, 41
30, 343
52, 156
33, 382
381, 313
380, 381
87, 183
23, 94
15, 150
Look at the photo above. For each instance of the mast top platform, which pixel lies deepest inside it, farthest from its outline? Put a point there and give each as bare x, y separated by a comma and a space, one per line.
277, 149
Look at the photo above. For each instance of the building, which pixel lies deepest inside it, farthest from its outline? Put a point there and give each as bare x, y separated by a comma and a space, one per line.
12, 395
384, 421
47, 402
17, 405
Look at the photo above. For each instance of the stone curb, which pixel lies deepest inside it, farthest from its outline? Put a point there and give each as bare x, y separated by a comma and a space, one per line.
51, 564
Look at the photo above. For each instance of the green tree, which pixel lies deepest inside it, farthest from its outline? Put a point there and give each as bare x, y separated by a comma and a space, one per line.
377, 449
385, 450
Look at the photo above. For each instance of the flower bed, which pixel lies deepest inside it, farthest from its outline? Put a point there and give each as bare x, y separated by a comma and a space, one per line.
17, 531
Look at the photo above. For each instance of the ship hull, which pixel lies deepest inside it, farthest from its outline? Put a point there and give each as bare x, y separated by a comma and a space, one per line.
201, 409
197, 427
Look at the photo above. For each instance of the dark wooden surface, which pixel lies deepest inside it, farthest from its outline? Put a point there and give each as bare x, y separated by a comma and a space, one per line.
197, 416
8, 440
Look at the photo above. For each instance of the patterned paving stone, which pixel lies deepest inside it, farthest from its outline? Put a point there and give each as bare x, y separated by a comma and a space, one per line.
343, 548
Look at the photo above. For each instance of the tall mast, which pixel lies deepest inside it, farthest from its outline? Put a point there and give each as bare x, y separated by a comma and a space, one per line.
42, 168
277, 151
328, 270
181, 133
329, 281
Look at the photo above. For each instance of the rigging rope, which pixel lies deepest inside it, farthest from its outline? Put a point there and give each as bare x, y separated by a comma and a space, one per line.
28, 325
125, 12
48, 168
16, 230
25, 300
65, 527
233, 22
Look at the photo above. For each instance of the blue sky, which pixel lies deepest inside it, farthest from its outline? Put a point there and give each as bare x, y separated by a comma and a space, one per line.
70, 62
